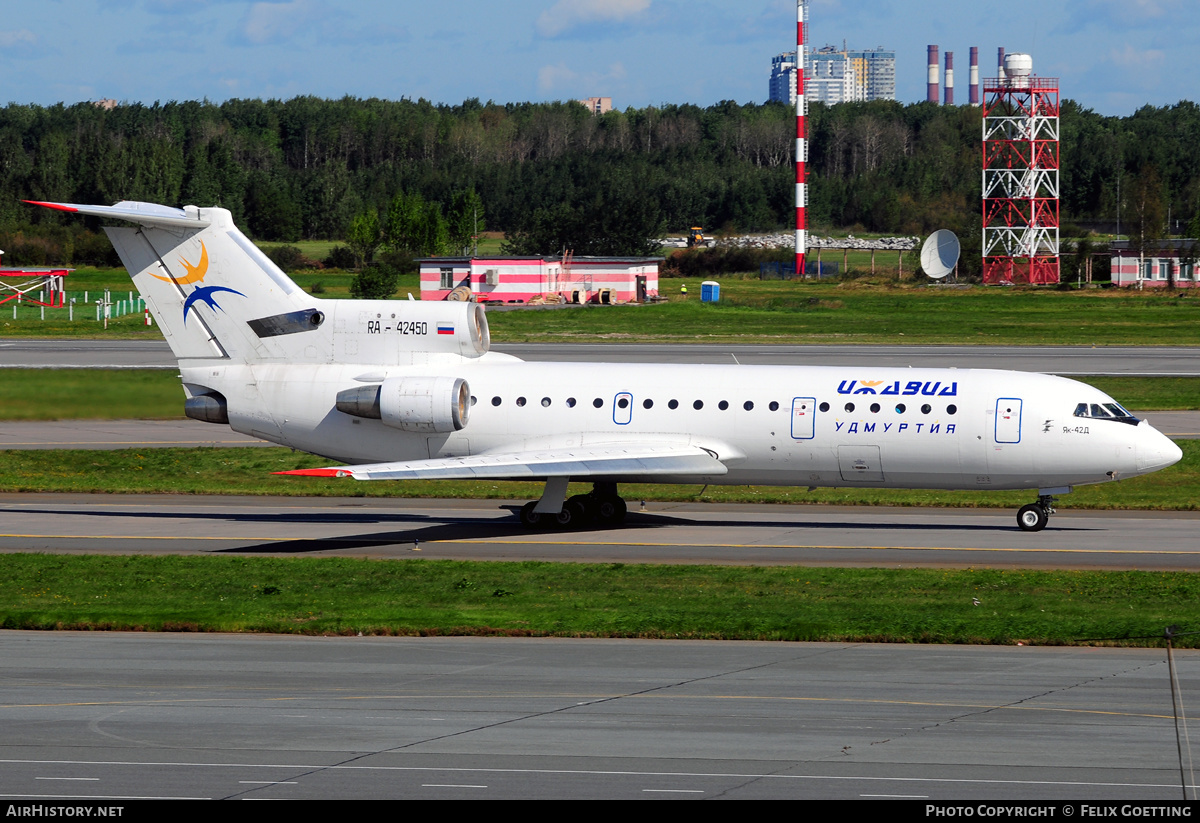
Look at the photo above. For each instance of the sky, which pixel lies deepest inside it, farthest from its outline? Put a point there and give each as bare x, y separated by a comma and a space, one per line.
1112, 57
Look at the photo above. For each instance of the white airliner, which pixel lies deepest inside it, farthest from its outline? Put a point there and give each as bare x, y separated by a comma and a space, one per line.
407, 389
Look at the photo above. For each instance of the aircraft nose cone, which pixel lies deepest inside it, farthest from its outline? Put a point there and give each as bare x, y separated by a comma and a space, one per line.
1157, 452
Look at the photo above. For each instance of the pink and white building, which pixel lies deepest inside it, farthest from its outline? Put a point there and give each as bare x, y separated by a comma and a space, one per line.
518, 279
1161, 262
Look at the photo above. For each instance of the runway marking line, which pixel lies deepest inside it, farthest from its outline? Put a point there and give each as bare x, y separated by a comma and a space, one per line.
608, 772
475, 697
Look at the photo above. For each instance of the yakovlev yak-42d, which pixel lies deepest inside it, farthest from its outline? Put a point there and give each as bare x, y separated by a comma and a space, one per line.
404, 390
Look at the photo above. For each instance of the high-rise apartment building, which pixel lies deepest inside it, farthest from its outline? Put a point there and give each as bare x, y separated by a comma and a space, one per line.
834, 76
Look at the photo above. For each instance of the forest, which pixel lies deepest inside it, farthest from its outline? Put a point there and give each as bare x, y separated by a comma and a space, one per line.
553, 173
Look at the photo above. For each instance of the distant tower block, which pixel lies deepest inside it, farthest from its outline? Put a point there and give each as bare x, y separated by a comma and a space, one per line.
931, 91
1020, 175
949, 78
973, 92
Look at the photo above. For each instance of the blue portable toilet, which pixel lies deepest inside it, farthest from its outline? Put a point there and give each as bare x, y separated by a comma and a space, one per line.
710, 291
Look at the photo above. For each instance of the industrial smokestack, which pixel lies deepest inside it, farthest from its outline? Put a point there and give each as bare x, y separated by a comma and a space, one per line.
949, 78
1000, 64
931, 93
973, 91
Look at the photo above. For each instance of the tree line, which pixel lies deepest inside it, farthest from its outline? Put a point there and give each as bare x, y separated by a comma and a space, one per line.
553, 174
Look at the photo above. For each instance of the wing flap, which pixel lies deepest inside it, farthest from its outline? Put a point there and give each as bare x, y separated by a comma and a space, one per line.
578, 463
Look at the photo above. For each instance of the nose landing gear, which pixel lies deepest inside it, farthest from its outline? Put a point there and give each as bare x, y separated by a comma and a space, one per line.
1033, 517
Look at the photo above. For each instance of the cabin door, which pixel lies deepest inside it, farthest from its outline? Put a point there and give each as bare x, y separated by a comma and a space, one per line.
1008, 420
804, 413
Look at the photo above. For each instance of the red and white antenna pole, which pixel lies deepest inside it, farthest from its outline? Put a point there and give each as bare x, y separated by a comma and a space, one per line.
801, 143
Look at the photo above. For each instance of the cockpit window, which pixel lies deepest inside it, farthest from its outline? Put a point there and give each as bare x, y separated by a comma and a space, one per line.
1105, 411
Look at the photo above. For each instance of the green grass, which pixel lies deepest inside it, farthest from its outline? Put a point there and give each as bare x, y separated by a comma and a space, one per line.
248, 471
74, 394
751, 311
420, 597
77, 394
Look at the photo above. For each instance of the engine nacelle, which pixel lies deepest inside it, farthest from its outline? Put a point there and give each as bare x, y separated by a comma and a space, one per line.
210, 407
413, 404
406, 332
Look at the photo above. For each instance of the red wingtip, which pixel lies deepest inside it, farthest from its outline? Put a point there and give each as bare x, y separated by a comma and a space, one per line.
58, 206
317, 472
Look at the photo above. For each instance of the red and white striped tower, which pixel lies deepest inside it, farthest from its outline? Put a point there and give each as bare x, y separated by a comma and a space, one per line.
931, 89
1020, 175
949, 101
801, 142
973, 92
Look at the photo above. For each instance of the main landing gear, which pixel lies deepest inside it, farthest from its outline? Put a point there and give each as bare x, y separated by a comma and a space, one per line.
1033, 518
602, 506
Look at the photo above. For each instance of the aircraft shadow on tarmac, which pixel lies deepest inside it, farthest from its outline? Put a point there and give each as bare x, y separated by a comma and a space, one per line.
426, 528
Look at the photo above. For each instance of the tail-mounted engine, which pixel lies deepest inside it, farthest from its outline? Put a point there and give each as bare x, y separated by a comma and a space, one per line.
413, 404
407, 332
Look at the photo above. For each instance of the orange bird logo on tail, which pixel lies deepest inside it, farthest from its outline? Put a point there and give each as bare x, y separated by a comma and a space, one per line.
195, 274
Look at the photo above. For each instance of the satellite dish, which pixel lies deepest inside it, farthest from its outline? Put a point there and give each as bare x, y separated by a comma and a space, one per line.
939, 254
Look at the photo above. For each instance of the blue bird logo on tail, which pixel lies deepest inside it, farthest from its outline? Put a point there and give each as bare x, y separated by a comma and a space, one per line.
205, 295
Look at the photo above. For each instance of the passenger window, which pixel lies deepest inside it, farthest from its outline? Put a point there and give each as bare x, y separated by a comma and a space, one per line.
597, 402
698, 405
874, 408
570, 402
545, 401
723, 405
520, 401
775, 406
672, 404
647, 403
849, 407
748, 405
623, 403
952, 409
496, 401
926, 409
900, 408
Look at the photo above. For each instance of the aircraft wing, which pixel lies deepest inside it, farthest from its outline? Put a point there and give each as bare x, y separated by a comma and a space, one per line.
581, 463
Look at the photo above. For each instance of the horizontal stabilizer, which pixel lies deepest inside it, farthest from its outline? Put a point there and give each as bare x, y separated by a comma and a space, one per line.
615, 460
148, 214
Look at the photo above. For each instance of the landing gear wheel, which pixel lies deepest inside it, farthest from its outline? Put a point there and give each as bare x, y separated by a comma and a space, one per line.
529, 518
610, 510
1032, 518
573, 515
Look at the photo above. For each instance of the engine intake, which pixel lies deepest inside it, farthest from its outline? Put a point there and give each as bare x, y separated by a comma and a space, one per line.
414, 404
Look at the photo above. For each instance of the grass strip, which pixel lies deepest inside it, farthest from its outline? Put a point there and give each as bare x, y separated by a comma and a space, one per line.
248, 471
863, 310
114, 394
436, 597
90, 394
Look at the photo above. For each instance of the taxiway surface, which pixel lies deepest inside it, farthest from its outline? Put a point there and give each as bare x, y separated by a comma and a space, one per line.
107, 715
664, 533
1064, 360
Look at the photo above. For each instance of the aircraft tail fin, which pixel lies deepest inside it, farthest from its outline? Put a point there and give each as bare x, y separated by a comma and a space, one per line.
213, 292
